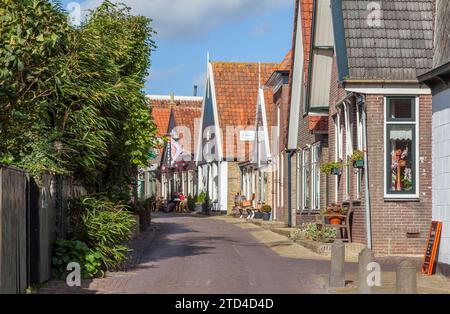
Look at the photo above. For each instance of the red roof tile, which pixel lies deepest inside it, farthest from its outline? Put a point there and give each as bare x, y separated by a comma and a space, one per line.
161, 117
189, 118
287, 62
236, 87
318, 123
306, 7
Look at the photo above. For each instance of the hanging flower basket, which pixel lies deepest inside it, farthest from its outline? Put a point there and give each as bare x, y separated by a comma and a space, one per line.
358, 164
335, 171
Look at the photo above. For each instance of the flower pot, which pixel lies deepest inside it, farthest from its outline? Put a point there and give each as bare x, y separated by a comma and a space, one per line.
199, 207
336, 171
358, 164
335, 220
259, 215
266, 216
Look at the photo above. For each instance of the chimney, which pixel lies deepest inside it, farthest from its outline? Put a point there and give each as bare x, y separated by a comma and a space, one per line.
195, 90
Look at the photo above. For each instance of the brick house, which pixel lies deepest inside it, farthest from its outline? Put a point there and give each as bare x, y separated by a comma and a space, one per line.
269, 154
377, 106
307, 140
227, 131
179, 171
438, 79
173, 113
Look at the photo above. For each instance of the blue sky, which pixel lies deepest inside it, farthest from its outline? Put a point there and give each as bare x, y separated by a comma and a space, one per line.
231, 30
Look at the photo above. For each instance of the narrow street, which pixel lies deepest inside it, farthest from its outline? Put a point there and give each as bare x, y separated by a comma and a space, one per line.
192, 255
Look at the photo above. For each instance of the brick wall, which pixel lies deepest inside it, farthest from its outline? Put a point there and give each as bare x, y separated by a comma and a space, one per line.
234, 184
393, 222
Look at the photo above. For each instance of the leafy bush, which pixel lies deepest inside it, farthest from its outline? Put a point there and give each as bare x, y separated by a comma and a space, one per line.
357, 155
105, 227
191, 203
328, 167
312, 232
266, 209
201, 198
65, 252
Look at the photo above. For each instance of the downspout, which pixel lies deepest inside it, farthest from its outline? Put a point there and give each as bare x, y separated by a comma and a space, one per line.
289, 154
362, 103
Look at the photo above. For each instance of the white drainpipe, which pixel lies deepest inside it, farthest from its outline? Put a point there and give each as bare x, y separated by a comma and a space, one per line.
366, 176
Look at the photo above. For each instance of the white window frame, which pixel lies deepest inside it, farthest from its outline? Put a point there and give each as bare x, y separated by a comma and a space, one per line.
299, 181
387, 195
315, 177
305, 184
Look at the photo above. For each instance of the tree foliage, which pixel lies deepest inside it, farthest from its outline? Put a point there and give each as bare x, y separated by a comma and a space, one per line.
71, 98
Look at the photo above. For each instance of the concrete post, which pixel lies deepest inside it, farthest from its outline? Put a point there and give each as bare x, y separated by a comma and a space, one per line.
407, 278
337, 274
365, 258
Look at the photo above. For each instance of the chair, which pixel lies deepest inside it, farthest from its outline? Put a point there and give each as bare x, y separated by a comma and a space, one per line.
248, 206
345, 226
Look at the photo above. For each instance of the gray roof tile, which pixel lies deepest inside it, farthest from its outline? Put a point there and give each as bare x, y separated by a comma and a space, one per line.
399, 49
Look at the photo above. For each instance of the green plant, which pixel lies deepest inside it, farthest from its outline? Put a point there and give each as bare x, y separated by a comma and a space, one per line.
66, 251
105, 227
328, 167
313, 232
335, 209
266, 209
190, 203
357, 155
201, 198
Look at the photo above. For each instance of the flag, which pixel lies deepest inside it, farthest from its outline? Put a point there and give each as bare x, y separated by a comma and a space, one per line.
175, 151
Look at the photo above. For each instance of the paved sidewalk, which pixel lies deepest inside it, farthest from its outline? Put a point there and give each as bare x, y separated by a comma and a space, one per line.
284, 246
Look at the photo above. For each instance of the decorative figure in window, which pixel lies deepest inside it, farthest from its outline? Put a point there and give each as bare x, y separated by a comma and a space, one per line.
400, 164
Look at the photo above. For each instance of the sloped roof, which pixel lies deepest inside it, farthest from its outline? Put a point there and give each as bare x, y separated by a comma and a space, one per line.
160, 101
236, 88
399, 49
161, 107
189, 118
287, 62
161, 117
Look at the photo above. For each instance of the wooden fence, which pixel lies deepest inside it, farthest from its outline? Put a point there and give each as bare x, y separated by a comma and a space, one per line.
32, 217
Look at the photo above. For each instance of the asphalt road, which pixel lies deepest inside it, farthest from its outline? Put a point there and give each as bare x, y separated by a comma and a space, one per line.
191, 255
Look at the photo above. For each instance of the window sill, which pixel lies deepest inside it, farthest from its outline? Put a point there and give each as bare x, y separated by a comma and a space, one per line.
401, 199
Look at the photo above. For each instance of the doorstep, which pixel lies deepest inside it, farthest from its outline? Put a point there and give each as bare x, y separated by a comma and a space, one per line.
324, 249
269, 224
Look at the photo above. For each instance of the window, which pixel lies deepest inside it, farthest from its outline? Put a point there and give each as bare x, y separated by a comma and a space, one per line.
306, 175
359, 134
401, 147
315, 177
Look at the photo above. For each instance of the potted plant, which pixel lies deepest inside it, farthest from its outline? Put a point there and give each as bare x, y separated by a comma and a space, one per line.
334, 168
267, 212
358, 159
199, 202
334, 213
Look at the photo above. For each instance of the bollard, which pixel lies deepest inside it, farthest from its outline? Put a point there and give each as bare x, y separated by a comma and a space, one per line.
407, 278
365, 258
337, 274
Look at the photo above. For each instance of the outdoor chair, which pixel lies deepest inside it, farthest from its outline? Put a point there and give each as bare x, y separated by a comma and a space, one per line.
248, 206
344, 227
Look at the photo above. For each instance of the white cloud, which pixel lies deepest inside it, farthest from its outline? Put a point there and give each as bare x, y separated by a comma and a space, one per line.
184, 19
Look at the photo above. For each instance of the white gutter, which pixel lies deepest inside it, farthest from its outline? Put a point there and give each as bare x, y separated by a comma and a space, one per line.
366, 176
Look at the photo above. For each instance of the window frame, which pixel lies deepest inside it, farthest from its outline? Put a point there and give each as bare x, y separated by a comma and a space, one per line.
306, 185
315, 177
415, 147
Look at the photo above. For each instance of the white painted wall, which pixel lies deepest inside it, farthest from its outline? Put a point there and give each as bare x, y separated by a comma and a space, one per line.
441, 169
223, 186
